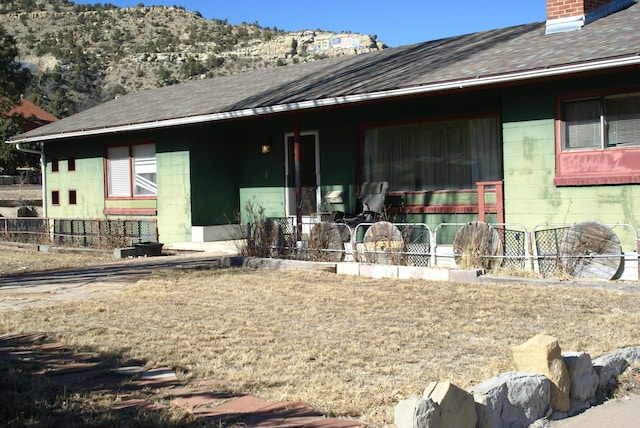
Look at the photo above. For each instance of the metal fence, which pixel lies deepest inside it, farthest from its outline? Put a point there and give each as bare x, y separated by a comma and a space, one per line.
411, 244
556, 253
103, 233
416, 244
95, 233
26, 230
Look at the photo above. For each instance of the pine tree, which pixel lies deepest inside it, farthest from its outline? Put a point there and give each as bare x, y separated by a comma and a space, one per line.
13, 78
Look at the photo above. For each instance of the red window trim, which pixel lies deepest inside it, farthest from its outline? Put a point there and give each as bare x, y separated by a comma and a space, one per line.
608, 166
130, 211
55, 198
71, 164
74, 200
131, 178
55, 165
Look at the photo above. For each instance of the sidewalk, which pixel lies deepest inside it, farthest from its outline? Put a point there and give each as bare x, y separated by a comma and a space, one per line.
618, 413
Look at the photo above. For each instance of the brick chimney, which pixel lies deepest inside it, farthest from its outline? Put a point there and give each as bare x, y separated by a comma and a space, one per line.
569, 15
572, 8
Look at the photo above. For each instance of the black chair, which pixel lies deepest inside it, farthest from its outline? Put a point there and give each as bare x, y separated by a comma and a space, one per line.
371, 201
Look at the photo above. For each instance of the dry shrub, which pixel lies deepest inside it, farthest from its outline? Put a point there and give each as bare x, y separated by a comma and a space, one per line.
349, 346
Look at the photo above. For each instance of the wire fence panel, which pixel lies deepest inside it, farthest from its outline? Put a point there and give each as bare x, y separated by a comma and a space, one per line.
26, 230
96, 233
587, 248
512, 252
514, 245
547, 240
407, 244
101, 233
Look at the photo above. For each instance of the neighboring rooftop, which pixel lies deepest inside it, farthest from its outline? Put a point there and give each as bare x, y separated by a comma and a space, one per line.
487, 58
37, 116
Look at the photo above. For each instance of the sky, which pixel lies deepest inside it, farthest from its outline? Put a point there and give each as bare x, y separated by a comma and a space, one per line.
396, 23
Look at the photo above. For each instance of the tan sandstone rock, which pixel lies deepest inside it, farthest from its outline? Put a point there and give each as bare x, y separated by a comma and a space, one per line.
541, 354
457, 406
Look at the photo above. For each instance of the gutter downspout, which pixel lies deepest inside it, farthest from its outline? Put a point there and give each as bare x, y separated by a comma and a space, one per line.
21, 148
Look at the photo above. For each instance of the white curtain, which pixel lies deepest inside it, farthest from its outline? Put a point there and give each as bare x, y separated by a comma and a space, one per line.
435, 155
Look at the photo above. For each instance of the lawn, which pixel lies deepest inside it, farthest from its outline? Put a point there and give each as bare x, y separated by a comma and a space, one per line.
349, 346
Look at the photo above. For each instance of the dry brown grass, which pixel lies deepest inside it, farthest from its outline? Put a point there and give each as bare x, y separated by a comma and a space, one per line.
17, 258
349, 346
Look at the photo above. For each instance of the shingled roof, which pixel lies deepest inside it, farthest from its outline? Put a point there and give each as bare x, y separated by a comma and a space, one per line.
486, 58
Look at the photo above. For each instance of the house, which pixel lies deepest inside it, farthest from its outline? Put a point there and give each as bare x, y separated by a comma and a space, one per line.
34, 115
545, 116
30, 117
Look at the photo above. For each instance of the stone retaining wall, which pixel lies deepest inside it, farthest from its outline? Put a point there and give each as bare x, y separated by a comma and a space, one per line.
548, 385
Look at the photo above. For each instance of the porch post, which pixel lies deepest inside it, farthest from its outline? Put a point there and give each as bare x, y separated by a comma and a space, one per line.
500, 201
481, 207
296, 161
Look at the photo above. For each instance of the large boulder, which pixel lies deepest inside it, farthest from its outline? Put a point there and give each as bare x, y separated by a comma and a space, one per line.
584, 380
417, 412
541, 354
608, 367
457, 407
631, 354
512, 399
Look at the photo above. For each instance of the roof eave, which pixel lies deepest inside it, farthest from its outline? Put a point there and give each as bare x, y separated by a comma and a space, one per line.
626, 61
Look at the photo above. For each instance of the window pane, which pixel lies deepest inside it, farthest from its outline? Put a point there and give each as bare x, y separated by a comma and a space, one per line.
434, 156
119, 178
144, 164
623, 121
582, 125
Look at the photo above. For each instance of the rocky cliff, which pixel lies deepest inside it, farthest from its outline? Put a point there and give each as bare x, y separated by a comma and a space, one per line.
83, 55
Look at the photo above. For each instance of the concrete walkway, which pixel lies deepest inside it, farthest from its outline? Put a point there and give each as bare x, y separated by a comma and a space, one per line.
42, 288
618, 413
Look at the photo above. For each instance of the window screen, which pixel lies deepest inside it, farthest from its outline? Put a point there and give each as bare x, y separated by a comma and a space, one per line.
623, 120
582, 125
119, 173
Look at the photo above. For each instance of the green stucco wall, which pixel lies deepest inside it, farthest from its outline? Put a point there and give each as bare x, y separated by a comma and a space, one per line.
87, 180
531, 198
174, 196
173, 178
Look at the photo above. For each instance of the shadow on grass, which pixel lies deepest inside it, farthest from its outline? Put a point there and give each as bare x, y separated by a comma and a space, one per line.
46, 385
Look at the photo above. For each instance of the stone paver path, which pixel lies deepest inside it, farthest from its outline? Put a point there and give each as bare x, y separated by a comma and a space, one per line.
205, 399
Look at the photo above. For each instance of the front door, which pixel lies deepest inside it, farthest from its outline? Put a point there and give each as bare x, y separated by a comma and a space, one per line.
309, 175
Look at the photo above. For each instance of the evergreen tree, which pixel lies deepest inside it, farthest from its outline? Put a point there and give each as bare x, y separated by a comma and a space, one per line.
13, 78
13, 81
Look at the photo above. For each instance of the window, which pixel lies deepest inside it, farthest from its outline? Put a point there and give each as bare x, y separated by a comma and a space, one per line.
55, 165
131, 171
602, 122
598, 139
443, 155
71, 164
73, 197
55, 197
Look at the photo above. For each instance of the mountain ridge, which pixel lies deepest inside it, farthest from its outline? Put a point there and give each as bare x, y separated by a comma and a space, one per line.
83, 55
